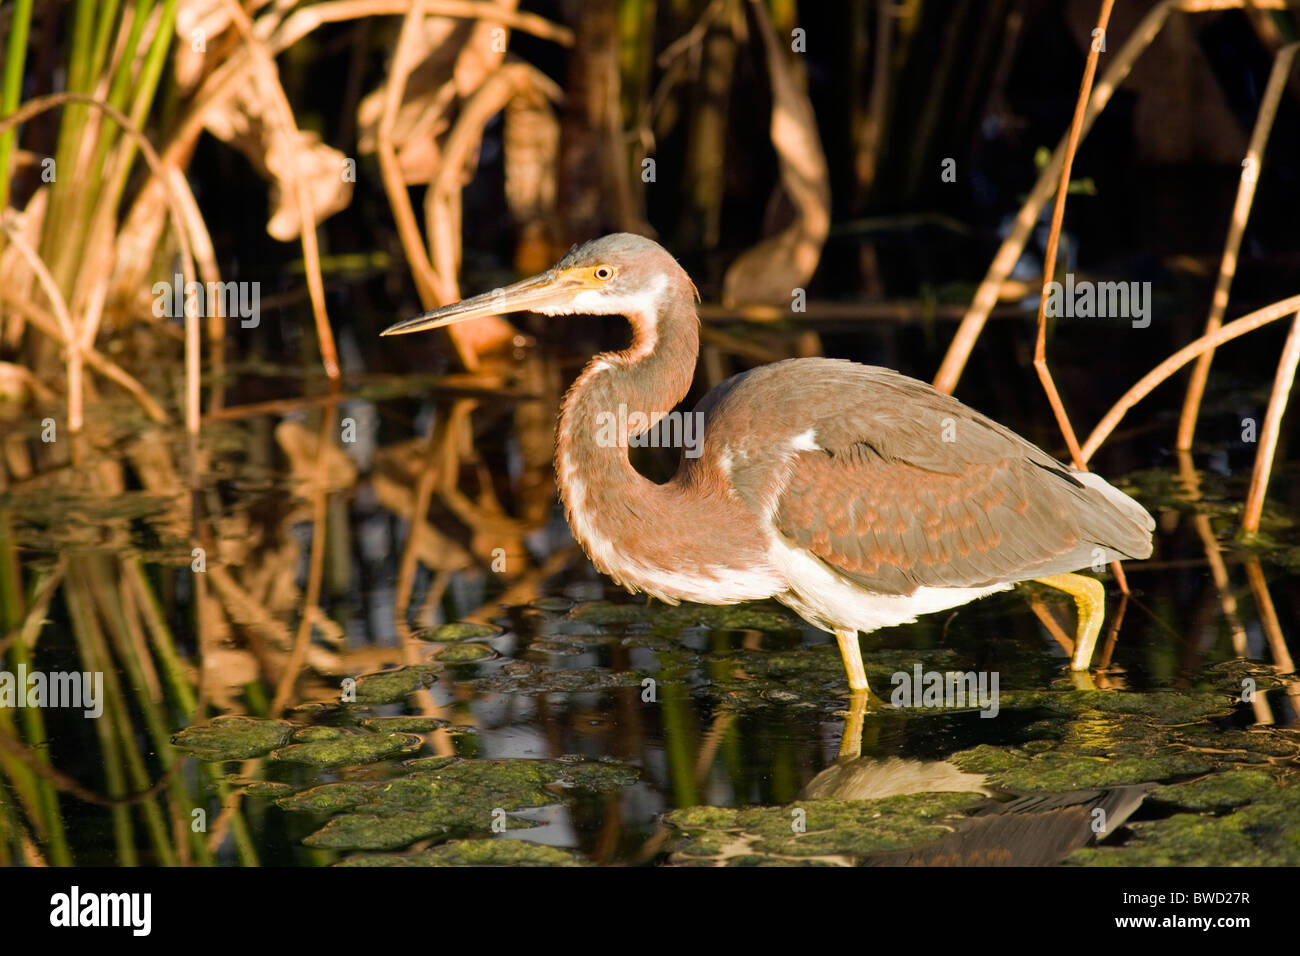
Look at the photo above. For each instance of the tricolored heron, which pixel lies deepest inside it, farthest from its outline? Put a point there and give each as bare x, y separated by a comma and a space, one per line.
854, 495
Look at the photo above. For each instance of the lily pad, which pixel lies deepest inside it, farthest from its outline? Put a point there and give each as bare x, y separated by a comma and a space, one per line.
1167, 707
410, 725
458, 631
327, 798
607, 613
365, 831
232, 738
541, 681
464, 653
318, 733
599, 776
386, 687
462, 797
349, 749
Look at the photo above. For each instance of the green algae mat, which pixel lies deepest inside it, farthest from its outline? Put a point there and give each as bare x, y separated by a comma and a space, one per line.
660, 707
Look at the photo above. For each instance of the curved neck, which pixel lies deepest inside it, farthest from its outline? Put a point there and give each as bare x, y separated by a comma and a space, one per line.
649, 377
618, 396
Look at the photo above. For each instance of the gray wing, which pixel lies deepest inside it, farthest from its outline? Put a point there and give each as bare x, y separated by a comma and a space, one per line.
898, 486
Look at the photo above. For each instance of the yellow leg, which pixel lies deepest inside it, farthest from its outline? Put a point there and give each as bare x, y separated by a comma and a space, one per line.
852, 654
851, 739
1090, 598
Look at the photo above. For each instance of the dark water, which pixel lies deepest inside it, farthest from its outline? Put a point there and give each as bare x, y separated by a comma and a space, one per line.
572, 723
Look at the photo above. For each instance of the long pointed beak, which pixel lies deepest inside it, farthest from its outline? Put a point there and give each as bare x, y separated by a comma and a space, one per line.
550, 289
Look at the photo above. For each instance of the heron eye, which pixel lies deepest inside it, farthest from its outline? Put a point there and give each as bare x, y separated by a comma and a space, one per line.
603, 273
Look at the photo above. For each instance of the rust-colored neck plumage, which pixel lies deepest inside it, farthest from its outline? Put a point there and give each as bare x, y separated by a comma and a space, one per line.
609, 504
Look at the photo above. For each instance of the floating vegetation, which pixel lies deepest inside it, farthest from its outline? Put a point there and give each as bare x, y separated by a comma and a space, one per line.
838, 832
412, 725
464, 653
458, 797
546, 681
1166, 707
1221, 791
556, 605
1052, 771
672, 619
457, 631
386, 687
501, 852
1062, 745
1265, 831
346, 749
233, 738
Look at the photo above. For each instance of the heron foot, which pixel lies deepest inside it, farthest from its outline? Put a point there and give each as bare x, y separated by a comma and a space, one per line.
1090, 598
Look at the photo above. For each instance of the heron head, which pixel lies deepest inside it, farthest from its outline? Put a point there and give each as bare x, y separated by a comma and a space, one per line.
618, 274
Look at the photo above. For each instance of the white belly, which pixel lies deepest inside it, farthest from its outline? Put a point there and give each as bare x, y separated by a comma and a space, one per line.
825, 599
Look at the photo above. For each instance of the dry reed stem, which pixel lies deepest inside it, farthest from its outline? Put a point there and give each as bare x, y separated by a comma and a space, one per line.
173, 187
1049, 621
1282, 384
442, 199
1008, 254
441, 464
315, 569
1268, 105
1144, 385
307, 19
1272, 629
1268, 616
72, 342
283, 116
713, 738
37, 610
427, 282
1213, 553
1054, 237
232, 72
244, 610
1049, 260
429, 609
442, 212
93, 357
1112, 637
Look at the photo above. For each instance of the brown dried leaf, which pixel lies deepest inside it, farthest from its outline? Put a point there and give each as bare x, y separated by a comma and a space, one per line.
284, 158
198, 23
422, 115
303, 157
452, 60
771, 270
